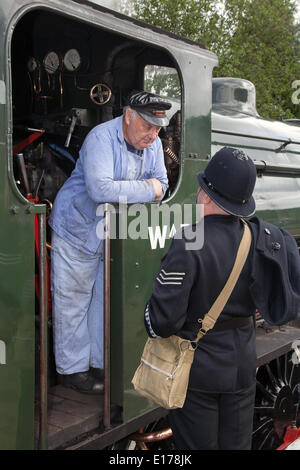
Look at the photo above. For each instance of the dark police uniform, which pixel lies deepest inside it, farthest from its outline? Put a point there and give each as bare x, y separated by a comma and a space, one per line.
218, 411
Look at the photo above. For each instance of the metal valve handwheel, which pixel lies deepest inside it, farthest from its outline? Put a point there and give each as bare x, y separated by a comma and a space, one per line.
100, 94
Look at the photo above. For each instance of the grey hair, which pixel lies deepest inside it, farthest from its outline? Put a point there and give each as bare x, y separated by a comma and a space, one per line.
133, 113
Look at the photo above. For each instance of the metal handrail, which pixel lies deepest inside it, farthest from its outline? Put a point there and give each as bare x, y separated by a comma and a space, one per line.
284, 141
43, 432
269, 169
106, 317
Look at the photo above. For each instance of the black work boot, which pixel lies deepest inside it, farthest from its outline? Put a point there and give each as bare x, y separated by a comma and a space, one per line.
83, 382
97, 373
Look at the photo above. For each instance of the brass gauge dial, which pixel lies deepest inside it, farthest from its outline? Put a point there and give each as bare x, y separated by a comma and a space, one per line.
51, 62
72, 60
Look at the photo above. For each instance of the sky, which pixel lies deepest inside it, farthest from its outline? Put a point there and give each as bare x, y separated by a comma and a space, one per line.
298, 14
115, 4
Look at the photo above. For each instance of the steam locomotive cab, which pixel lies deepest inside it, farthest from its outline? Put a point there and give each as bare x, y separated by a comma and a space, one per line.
68, 77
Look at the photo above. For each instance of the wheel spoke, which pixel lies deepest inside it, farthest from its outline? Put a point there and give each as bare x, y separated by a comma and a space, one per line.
291, 375
285, 368
271, 377
266, 410
265, 392
279, 373
262, 426
266, 438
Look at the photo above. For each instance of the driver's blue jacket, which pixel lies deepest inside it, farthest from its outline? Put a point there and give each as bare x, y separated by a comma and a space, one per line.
105, 172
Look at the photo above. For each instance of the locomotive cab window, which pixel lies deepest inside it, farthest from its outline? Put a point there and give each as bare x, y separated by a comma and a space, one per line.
165, 82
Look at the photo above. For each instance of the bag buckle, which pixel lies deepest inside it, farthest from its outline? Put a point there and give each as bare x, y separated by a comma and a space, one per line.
202, 331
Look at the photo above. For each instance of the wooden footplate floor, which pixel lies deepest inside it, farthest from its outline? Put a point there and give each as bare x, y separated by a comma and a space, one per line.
71, 414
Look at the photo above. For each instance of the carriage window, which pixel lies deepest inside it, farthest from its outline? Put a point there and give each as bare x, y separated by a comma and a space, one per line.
164, 81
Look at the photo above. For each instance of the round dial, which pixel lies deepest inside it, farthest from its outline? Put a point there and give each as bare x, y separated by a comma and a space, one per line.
32, 64
51, 62
72, 60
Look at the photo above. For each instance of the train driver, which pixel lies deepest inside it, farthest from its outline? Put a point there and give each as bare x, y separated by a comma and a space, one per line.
119, 158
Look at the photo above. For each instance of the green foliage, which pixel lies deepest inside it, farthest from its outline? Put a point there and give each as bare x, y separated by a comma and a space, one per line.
254, 39
162, 81
263, 49
193, 19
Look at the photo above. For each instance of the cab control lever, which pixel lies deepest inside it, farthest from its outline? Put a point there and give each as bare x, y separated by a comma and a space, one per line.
71, 129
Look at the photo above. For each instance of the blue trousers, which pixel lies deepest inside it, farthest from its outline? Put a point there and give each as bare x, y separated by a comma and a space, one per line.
214, 421
77, 307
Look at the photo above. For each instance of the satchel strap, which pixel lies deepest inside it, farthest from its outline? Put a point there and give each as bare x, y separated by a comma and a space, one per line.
210, 318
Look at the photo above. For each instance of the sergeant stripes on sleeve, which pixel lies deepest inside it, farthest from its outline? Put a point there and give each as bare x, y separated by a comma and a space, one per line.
170, 278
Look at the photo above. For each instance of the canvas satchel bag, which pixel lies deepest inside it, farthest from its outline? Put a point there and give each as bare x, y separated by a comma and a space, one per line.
163, 373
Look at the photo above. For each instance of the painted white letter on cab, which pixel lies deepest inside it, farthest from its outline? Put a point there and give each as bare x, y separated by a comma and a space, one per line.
2, 352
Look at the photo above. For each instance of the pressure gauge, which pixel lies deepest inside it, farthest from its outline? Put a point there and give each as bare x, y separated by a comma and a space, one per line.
72, 60
32, 64
51, 62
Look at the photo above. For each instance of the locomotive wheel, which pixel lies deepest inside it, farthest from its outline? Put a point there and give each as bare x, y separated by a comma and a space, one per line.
277, 401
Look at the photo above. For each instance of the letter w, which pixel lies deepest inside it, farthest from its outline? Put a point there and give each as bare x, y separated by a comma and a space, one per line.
157, 236
2, 352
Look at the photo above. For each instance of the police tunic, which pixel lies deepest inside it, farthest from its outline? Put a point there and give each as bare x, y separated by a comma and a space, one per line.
187, 284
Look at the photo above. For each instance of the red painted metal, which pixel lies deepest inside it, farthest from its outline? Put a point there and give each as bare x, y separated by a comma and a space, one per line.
292, 433
21, 145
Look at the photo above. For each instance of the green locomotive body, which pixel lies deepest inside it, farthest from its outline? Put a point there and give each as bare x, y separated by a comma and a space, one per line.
64, 68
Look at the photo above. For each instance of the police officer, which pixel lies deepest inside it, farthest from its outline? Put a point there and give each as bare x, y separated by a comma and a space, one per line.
121, 158
218, 410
